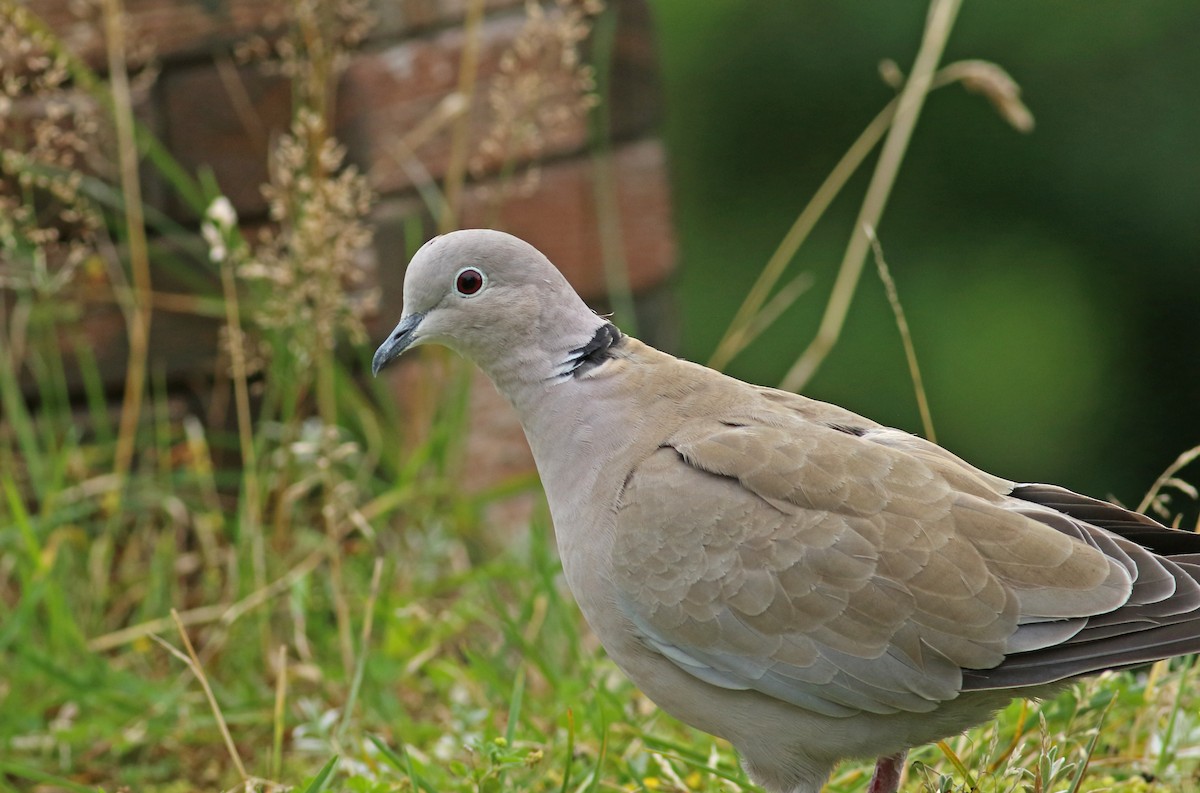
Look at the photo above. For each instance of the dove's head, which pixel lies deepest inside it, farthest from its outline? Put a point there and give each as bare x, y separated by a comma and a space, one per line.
494, 299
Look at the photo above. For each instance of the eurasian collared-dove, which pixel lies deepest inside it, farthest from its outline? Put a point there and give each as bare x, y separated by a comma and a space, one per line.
781, 572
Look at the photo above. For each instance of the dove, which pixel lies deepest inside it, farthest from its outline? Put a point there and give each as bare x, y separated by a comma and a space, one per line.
799, 580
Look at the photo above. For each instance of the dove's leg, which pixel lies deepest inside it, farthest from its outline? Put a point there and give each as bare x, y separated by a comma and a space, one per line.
886, 778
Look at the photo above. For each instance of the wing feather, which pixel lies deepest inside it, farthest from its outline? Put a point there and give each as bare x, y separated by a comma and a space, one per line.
1159, 619
845, 567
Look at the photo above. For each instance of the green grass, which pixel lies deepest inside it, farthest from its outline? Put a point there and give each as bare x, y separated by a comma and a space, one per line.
477, 674
282, 588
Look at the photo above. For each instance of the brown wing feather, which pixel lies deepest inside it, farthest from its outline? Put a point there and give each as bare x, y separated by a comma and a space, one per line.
828, 569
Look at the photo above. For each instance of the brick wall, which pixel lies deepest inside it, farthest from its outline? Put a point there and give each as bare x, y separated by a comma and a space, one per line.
588, 204
211, 111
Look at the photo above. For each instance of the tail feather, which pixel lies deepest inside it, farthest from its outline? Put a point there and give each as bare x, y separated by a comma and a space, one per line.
1160, 620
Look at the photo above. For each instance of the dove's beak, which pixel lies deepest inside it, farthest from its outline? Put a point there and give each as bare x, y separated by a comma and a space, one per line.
400, 340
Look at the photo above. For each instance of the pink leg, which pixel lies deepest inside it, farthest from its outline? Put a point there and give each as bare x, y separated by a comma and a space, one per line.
886, 778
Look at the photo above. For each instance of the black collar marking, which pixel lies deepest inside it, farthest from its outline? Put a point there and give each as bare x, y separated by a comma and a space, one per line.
582, 360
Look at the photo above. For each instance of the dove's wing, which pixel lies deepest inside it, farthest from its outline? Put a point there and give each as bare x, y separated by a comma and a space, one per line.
847, 569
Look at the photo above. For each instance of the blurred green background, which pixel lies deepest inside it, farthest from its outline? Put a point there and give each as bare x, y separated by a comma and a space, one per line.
1050, 280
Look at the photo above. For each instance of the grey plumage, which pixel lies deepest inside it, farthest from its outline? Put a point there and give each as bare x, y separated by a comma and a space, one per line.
779, 571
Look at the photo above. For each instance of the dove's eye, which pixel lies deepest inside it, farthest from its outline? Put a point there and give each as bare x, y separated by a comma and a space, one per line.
469, 281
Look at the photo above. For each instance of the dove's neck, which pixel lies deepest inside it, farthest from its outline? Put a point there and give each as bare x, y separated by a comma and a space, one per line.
573, 403
529, 374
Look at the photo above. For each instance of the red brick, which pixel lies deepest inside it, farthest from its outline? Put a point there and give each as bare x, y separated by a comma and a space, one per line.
174, 28
387, 94
381, 96
406, 16
204, 129
384, 95
183, 29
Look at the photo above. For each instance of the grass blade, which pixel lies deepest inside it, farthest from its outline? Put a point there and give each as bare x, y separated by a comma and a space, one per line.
1091, 749
958, 764
402, 761
1168, 739
360, 665
321, 780
514, 705
34, 775
910, 352
570, 759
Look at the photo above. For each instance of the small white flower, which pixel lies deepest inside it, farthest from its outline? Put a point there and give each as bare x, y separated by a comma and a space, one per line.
215, 241
222, 213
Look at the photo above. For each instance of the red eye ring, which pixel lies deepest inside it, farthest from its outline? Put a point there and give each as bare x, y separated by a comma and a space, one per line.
469, 281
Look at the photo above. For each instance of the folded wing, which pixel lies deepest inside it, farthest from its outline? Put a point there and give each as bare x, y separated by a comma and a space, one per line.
847, 569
